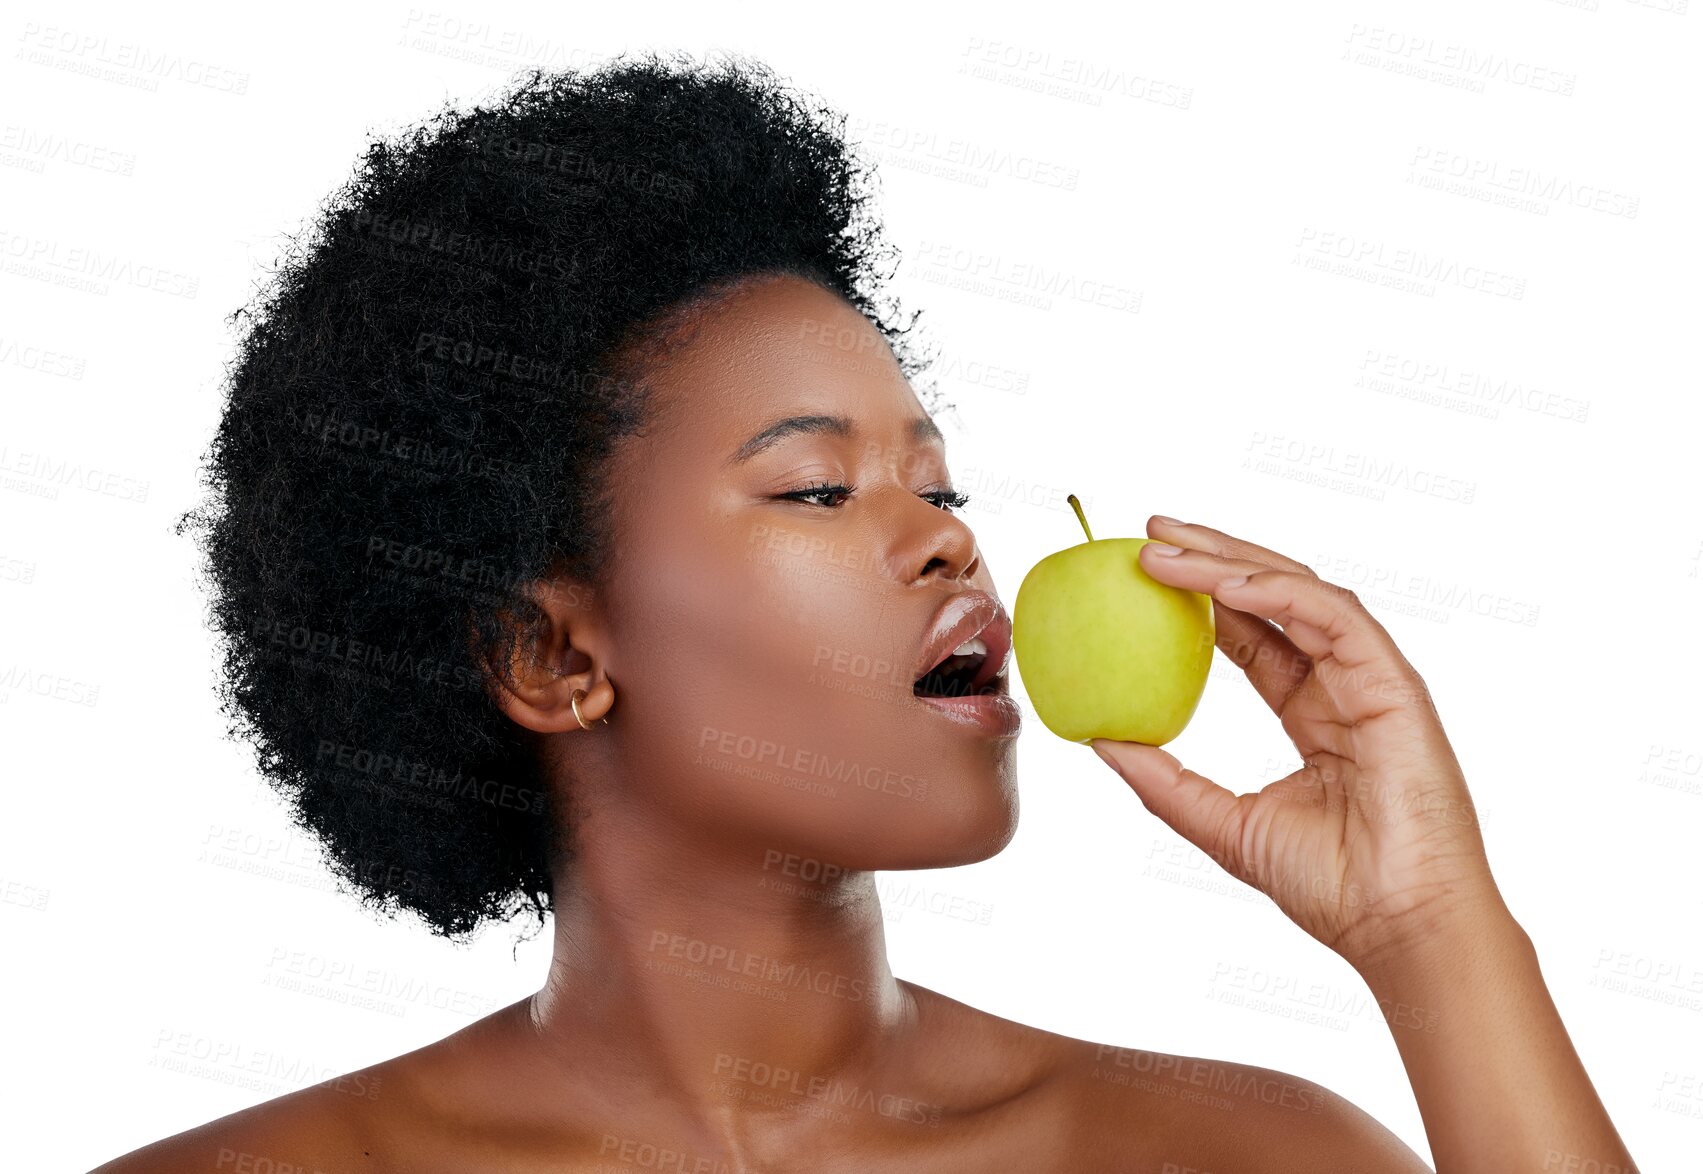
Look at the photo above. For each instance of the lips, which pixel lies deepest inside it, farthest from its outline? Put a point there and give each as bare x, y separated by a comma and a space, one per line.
977, 622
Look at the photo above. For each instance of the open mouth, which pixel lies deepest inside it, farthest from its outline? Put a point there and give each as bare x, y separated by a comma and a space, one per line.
962, 674
957, 675
967, 649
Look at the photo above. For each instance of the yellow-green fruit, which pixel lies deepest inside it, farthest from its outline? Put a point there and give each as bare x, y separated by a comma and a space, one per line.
1107, 651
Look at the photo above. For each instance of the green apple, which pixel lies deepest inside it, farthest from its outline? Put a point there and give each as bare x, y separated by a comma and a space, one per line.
1106, 650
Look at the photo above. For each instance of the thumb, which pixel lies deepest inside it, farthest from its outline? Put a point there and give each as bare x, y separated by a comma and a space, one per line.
1196, 808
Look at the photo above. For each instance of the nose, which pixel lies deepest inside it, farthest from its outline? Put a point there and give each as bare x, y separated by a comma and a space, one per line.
940, 546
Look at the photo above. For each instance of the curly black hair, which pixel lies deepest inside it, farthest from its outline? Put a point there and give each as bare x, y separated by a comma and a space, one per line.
421, 403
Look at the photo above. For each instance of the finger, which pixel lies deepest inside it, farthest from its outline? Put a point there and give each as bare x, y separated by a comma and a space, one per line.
1198, 537
1272, 663
1278, 671
1196, 808
1366, 675
1320, 618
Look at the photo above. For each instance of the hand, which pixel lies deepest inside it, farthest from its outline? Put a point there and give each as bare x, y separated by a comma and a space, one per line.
1373, 843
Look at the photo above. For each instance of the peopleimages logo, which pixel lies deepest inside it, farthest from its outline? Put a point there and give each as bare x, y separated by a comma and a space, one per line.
831, 1091
744, 964
86, 268
1415, 265
1499, 182
1458, 64
137, 65
796, 762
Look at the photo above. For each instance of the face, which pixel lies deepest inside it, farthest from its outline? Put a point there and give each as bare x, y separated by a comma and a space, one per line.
764, 634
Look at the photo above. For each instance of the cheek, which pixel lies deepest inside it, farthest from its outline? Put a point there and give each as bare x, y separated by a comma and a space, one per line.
766, 683
755, 609
748, 660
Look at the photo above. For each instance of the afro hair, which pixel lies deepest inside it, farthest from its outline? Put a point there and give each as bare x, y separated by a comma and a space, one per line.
420, 404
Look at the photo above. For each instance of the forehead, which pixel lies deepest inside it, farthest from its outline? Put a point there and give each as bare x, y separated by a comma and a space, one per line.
774, 347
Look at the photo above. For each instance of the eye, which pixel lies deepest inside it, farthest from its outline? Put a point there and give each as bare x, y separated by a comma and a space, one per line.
823, 490
947, 499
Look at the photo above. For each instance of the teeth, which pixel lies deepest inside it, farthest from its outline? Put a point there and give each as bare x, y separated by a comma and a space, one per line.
971, 647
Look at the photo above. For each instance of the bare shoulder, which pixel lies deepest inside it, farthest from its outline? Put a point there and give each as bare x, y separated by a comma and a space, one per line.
370, 1121
1116, 1108
316, 1130
1210, 1114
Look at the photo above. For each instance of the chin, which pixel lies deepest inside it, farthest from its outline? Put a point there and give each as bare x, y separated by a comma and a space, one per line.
970, 821
991, 834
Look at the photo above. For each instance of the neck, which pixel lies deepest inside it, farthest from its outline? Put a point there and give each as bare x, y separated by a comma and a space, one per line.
681, 967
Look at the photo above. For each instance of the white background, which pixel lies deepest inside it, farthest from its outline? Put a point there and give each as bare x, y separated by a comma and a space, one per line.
1511, 482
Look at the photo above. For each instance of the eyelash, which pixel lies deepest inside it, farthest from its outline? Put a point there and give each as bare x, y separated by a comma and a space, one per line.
946, 499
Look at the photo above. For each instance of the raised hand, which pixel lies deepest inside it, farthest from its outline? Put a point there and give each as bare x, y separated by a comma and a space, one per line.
1374, 839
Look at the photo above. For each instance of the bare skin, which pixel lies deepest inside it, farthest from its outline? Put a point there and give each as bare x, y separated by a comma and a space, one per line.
719, 998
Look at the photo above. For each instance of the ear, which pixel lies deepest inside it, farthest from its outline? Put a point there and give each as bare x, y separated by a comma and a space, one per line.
565, 647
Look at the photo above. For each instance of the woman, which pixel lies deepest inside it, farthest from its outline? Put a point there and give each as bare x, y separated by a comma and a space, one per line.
578, 542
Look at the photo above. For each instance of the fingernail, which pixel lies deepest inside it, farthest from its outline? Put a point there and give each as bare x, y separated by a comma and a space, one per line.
1168, 521
1106, 758
1236, 582
1164, 548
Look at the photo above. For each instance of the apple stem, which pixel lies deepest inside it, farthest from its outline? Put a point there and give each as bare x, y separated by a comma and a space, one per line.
1080, 516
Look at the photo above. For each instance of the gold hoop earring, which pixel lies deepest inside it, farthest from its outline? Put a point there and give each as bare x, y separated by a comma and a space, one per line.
574, 701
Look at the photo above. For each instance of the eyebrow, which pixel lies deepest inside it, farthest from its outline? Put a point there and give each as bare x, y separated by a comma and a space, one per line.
923, 428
